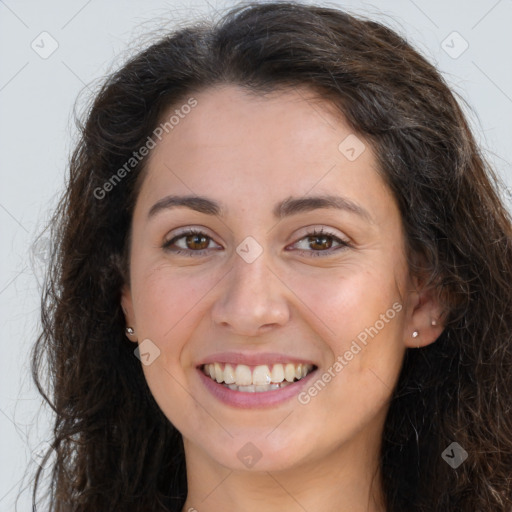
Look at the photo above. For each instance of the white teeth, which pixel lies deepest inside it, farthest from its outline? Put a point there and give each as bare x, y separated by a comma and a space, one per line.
277, 373
289, 372
229, 374
261, 375
243, 375
256, 379
257, 389
219, 374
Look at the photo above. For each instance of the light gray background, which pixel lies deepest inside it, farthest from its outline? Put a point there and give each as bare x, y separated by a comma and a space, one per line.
37, 132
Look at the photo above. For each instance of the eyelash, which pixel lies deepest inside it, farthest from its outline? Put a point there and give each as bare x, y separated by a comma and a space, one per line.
193, 232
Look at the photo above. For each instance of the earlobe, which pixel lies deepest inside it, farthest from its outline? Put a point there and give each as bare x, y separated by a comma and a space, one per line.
127, 307
425, 320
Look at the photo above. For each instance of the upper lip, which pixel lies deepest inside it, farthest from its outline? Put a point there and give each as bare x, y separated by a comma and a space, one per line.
252, 359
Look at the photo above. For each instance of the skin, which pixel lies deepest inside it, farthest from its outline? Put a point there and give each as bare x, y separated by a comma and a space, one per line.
249, 152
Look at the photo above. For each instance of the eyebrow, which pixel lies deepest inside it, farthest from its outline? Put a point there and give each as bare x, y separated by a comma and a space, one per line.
285, 208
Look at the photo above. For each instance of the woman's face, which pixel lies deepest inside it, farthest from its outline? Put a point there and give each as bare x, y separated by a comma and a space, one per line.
299, 259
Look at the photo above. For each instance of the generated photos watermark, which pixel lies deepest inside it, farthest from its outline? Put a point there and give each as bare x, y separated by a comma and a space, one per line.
343, 360
454, 455
166, 127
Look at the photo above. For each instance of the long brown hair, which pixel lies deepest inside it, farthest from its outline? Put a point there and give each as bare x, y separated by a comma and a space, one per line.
114, 449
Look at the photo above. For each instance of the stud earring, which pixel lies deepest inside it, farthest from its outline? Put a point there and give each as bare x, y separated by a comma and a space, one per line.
415, 334
130, 331
433, 323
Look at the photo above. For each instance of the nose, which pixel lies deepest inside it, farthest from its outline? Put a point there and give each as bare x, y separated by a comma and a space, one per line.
252, 300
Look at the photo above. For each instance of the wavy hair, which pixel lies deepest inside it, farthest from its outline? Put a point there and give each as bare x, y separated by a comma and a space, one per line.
113, 448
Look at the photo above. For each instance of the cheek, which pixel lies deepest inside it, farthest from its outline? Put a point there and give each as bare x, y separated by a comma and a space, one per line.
166, 295
361, 319
346, 301
167, 302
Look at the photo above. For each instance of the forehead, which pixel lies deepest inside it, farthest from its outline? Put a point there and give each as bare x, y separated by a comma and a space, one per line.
286, 143
296, 114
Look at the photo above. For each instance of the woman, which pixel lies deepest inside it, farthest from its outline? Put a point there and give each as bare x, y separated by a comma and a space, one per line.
282, 280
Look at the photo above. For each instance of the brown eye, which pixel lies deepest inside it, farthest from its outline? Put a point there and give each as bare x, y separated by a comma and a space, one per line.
197, 241
320, 242
190, 243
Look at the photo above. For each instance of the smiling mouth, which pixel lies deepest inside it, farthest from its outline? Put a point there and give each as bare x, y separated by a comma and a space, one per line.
256, 379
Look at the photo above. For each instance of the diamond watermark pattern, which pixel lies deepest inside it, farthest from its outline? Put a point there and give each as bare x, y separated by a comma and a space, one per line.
39, 257
39, 454
249, 250
41, 249
147, 352
454, 455
454, 45
351, 147
249, 455
508, 196
44, 45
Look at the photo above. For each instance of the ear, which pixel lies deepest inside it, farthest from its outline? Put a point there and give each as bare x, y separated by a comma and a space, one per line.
127, 306
424, 315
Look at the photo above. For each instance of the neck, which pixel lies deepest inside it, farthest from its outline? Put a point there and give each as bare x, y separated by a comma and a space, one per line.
345, 479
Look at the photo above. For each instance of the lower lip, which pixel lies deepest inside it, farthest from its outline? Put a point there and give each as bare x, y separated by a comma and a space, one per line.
243, 399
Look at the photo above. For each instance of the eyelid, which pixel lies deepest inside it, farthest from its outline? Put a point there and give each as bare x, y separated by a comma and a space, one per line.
309, 232
171, 239
320, 229
186, 230
312, 232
